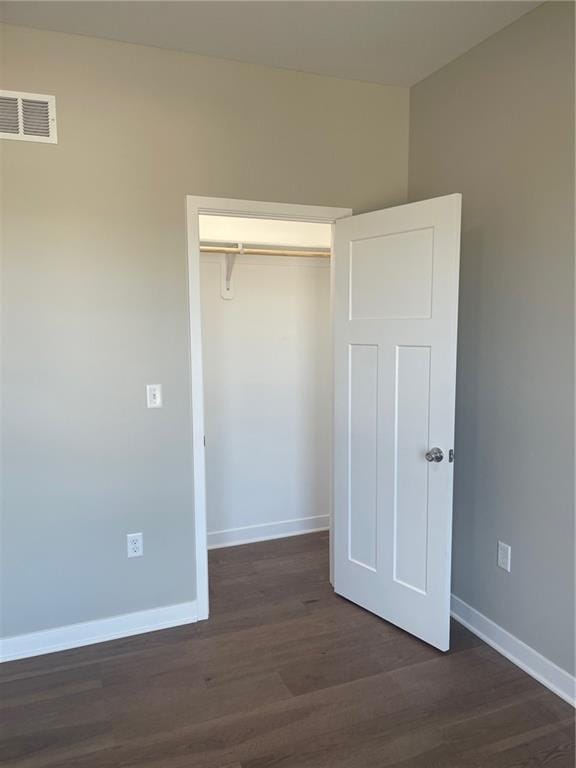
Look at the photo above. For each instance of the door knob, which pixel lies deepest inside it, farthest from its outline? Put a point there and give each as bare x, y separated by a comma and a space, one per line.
434, 454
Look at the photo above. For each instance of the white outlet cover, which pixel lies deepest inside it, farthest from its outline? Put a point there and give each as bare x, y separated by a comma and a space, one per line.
154, 395
135, 544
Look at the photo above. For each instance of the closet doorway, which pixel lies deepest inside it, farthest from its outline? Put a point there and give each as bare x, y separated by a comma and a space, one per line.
344, 417
260, 331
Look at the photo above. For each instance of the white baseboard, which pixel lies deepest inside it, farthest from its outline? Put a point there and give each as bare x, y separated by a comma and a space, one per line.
266, 531
89, 632
537, 666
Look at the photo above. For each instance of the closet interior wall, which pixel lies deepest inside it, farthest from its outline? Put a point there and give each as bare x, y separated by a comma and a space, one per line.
266, 354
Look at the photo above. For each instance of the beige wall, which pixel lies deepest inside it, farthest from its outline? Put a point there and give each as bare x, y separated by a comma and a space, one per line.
94, 281
497, 125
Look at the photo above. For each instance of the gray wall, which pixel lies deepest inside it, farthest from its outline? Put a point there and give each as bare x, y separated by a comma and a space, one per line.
95, 295
497, 125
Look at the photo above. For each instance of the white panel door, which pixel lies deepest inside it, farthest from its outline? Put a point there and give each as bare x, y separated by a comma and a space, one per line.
395, 326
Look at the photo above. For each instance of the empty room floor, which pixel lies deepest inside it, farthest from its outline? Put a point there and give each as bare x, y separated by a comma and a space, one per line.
284, 673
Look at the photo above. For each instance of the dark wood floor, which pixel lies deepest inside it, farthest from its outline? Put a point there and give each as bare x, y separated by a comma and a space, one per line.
283, 674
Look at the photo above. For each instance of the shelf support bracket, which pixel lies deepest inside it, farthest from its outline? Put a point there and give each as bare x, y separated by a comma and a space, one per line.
227, 289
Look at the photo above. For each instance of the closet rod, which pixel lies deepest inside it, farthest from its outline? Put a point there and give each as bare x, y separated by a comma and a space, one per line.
263, 251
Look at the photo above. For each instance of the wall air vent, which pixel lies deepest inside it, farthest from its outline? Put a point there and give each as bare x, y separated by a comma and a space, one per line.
28, 117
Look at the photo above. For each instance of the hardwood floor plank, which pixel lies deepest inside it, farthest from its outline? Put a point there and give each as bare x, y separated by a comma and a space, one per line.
139, 710
76, 709
552, 749
49, 685
40, 748
339, 750
513, 721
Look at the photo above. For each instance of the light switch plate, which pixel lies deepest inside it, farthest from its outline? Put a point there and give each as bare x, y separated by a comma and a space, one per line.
154, 395
504, 556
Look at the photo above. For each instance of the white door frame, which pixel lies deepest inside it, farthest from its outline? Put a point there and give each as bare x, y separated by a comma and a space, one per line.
224, 207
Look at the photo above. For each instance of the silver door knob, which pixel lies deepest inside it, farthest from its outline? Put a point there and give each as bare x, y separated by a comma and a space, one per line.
434, 454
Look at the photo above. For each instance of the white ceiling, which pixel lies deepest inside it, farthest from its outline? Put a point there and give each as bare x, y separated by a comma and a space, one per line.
391, 42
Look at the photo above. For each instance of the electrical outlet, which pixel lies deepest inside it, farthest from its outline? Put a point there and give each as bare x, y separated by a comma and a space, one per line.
154, 395
504, 555
135, 544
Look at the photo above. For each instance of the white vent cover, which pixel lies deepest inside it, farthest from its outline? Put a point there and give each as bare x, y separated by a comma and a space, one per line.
28, 117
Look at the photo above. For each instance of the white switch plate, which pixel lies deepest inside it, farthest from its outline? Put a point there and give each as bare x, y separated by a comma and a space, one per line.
504, 555
154, 395
135, 544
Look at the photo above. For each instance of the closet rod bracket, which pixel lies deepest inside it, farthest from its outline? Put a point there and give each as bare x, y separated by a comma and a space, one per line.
229, 261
